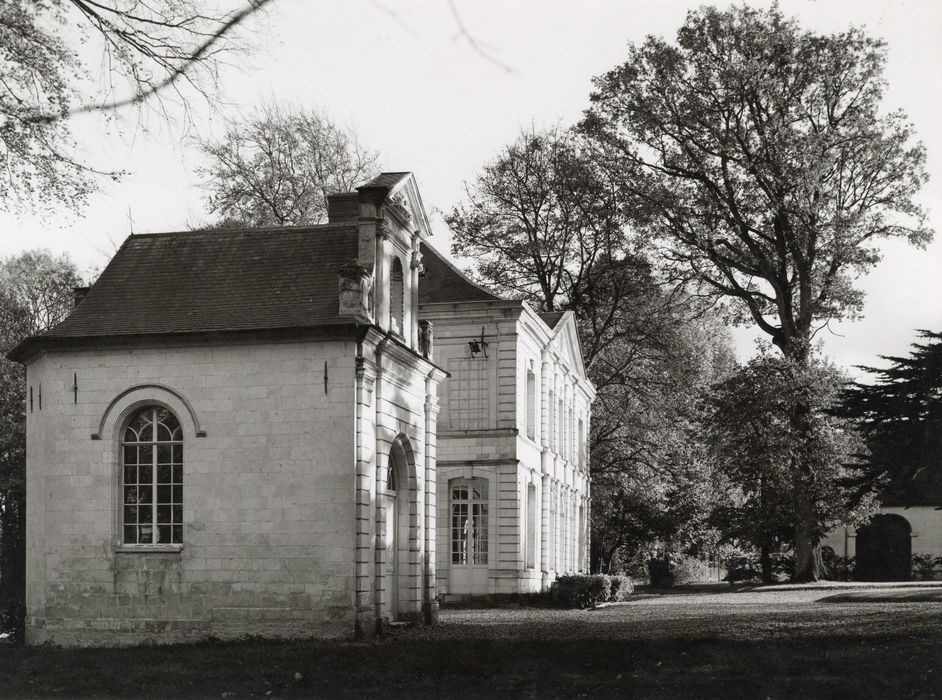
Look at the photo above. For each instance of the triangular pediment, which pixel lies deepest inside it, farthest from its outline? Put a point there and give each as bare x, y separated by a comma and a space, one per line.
566, 343
398, 194
404, 197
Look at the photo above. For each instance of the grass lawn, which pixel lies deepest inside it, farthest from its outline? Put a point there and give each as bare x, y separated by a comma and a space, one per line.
791, 644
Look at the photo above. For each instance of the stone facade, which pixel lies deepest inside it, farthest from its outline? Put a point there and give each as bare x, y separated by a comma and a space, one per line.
513, 484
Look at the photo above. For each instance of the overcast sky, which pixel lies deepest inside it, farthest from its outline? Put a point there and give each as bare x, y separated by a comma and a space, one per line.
414, 88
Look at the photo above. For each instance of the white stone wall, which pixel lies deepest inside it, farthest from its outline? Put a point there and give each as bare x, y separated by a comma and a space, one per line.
395, 404
483, 433
268, 495
925, 521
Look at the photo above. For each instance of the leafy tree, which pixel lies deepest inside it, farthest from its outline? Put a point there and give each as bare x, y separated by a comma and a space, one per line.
766, 459
46, 50
757, 154
900, 415
36, 292
538, 218
278, 166
652, 481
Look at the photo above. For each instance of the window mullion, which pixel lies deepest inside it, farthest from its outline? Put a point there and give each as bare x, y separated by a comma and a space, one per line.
153, 480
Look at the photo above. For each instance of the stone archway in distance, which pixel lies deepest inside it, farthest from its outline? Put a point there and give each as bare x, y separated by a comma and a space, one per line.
884, 549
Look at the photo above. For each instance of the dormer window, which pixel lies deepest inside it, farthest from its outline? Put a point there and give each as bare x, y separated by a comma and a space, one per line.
396, 297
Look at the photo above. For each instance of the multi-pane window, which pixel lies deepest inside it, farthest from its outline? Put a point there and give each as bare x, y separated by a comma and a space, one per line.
561, 429
581, 437
551, 420
531, 539
152, 485
469, 521
468, 399
531, 404
555, 524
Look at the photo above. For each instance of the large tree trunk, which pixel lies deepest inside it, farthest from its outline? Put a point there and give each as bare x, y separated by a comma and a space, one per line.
808, 563
765, 561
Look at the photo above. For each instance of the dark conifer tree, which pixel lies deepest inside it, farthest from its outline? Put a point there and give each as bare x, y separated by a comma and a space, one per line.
900, 415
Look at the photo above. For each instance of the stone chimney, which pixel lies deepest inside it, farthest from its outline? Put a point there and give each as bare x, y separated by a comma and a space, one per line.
343, 207
78, 294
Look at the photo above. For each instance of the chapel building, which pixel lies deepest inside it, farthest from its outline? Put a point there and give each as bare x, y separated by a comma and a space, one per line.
236, 432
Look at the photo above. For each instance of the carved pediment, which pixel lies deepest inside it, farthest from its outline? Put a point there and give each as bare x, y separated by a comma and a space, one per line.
404, 199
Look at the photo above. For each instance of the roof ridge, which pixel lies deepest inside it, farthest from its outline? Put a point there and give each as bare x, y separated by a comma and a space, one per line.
246, 229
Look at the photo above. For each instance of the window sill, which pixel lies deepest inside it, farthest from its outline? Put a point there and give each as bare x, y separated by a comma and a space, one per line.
148, 548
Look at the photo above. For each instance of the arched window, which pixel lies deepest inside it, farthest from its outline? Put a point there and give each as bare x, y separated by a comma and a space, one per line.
396, 297
152, 483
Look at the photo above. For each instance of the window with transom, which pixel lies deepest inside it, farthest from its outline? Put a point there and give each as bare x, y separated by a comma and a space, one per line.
469, 521
152, 485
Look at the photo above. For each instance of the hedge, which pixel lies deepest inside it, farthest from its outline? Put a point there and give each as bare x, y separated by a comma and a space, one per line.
587, 591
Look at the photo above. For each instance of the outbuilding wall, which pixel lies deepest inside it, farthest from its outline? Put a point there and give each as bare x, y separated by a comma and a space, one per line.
268, 545
925, 522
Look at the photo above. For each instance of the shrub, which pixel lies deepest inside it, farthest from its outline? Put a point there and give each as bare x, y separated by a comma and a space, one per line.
659, 573
843, 568
583, 591
838, 568
693, 570
621, 588
924, 566
783, 566
739, 569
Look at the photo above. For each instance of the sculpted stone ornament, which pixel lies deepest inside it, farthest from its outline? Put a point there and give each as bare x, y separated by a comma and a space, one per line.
425, 338
398, 203
356, 292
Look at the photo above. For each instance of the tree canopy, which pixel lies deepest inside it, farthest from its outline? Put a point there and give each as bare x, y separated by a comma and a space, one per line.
147, 51
900, 416
538, 218
276, 167
759, 154
772, 466
36, 292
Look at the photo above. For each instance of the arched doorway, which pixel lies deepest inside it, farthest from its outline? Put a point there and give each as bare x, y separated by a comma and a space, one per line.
396, 499
884, 550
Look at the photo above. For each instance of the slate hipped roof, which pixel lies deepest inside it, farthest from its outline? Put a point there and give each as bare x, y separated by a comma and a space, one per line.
199, 281
232, 280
